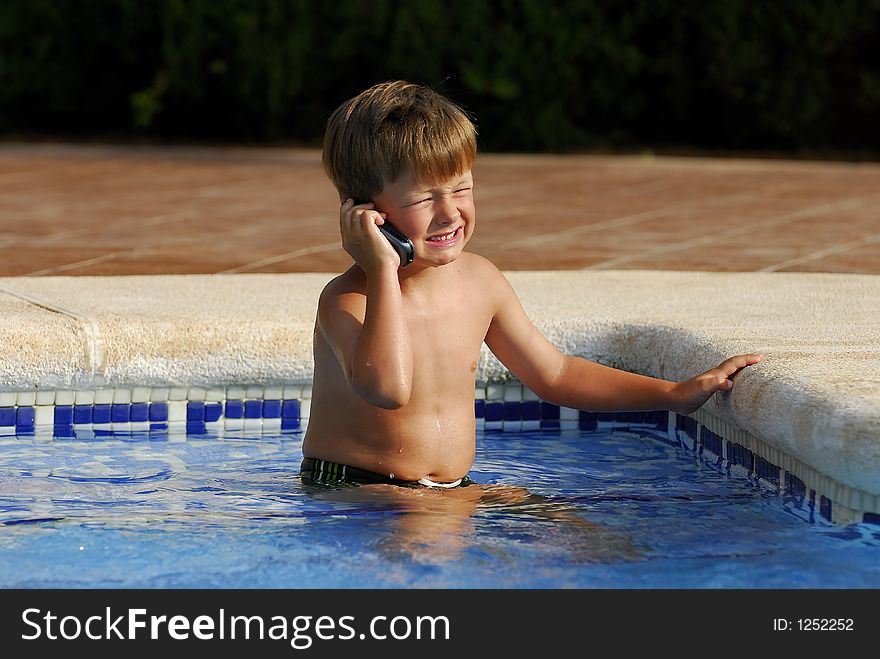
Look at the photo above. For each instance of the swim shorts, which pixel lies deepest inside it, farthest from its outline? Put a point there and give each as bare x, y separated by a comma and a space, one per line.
333, 473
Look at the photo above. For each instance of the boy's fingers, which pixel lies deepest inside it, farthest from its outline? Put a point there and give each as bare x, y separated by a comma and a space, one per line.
370, 218
720, 383
732, 366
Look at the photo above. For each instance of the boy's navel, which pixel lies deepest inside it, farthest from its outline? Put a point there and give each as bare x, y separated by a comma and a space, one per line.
473, 366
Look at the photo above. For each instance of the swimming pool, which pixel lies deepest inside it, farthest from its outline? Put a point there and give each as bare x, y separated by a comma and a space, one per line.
613, 507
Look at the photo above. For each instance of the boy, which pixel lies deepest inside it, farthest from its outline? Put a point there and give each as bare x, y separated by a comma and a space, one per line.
396, 348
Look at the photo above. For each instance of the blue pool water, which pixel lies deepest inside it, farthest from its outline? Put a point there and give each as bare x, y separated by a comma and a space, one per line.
589, 509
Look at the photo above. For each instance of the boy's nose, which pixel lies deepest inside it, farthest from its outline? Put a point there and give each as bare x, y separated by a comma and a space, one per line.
446, 212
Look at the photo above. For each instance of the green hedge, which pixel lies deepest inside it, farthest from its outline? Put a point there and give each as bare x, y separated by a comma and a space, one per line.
537, 75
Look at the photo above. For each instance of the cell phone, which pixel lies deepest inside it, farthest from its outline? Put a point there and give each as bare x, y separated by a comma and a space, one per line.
401, 244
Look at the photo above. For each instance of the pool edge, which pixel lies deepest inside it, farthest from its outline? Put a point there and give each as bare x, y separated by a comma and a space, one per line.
816, 399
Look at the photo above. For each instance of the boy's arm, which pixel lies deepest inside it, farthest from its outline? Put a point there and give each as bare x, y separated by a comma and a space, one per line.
582, 384
368, 333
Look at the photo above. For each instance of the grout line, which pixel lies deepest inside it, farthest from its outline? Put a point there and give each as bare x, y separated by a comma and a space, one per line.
146, 222
315, 249
78, 264
824, 209
626, 220
822, 253
533, 240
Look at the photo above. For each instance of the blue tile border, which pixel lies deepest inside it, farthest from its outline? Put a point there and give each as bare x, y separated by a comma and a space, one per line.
730, 453
497, 406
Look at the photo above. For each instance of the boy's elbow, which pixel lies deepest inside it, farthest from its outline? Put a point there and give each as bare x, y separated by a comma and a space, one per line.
388, 403
390, 398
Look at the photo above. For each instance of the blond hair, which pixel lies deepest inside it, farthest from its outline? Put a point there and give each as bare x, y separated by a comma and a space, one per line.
392, 129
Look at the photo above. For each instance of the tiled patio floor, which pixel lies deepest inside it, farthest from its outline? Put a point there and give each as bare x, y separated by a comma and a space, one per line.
114, 210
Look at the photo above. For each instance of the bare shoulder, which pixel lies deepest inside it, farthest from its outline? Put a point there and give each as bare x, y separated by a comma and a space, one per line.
491, 280
479, 266
350, 282
343, 296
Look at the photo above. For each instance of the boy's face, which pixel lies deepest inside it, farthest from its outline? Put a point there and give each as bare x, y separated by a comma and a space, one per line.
439, 218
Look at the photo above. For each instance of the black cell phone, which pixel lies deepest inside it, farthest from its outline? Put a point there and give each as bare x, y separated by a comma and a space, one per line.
399, 242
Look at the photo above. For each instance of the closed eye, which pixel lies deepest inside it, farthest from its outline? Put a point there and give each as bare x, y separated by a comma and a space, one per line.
420, 201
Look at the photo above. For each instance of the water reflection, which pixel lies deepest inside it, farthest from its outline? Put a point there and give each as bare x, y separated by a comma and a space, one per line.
435, 526
601, 510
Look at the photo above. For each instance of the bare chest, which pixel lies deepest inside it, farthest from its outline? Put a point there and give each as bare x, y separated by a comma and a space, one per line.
447, 332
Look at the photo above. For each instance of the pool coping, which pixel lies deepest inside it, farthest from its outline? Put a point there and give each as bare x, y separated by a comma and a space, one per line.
810, 409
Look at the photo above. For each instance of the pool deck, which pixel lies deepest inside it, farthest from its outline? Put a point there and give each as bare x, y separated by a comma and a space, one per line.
111, 210
111, 256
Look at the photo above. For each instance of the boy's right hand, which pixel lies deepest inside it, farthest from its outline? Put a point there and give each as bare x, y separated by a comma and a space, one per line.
690, 395
361, 238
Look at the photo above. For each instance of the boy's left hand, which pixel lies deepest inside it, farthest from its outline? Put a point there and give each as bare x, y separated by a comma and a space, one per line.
690, 395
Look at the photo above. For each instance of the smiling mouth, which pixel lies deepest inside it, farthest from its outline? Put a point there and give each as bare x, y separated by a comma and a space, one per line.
446, 237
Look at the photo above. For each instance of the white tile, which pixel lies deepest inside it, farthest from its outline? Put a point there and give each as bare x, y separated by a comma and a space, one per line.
177, 393
65, 397
84, 397
512, 426
292, 391
568, 414
159, 394
254, 391
122, 396
195, 393
533, 424
44, 415
273, 392
513, 393
233, 424
176, 410
120, 426
481, 423
306, 391
8, 398
140, 395
7, 430
272, 425
568, 425
480, 393
177, 432
103, 396
253, 424
495, 392
528, 394
493, 425
26, 399
215, 395
45, 397
235, 392
305, 408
